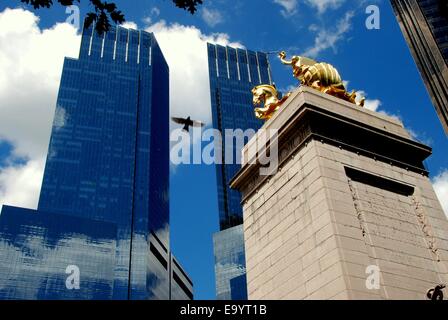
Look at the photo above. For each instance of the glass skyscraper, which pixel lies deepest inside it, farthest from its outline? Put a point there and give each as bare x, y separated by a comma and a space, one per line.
233, 74
106, 179
230, 264
37, 248
424, 24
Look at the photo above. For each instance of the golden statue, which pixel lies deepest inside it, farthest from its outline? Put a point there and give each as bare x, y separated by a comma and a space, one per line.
268, 95
320, 76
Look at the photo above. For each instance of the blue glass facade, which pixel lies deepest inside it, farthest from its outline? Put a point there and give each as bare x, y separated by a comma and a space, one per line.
230, 264
181, 284
233, 74
436, 14
37, 247
108, 158
424, 24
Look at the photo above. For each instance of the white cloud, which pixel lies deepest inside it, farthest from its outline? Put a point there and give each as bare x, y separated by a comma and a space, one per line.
130, 25
375, 104
20, 185
211, 17
326, 39
289, 7
323, 5
441, 188
420, 136
370, 104
29, 79
185, 49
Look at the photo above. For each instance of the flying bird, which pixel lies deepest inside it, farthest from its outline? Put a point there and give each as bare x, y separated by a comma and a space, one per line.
187, 123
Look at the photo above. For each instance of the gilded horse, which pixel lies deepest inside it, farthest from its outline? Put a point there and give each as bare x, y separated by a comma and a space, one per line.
320, 76
268, 95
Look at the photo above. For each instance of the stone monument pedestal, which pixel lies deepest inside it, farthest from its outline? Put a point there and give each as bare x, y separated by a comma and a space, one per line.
350, 213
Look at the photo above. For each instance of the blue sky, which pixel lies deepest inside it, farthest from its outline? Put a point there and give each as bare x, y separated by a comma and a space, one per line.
378, 62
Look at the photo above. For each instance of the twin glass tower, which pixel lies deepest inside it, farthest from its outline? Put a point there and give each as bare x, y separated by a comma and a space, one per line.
101, 230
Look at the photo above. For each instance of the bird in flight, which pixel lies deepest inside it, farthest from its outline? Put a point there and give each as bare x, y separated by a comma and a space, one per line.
187, 123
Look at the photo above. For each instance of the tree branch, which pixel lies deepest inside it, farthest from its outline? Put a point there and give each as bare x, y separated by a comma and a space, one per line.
103, 11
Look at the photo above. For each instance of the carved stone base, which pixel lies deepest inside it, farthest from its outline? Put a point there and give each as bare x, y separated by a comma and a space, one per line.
350, 214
